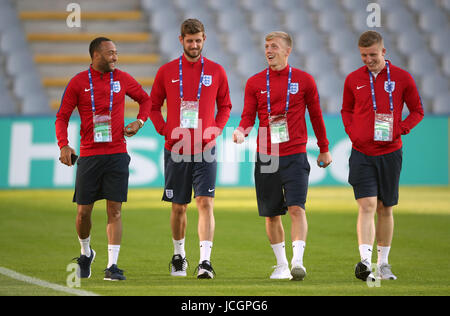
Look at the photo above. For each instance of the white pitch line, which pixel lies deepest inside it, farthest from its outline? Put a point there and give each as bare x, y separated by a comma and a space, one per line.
21, 277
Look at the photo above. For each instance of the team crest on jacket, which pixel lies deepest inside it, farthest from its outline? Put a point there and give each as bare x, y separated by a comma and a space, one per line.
116, 86
207, 80
293, 88
389, 88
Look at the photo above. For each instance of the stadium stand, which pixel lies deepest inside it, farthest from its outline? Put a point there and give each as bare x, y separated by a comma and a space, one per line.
325, 34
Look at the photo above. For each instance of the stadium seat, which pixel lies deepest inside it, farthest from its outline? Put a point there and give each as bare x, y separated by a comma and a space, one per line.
421, 6
319, 63
164, 19
441, 104
298, 20
446, 64
322, 5
190, 4
169, 44
256, 5
434, 84
439, 41
350, 62
392, 5
265, 21
332, 20
250, 63
433, 20
289, 5
310, 42
354, 5
151, 5
446, 4
220, 5
400, 20
36, 104
229, 21
340, 42
237, 40
422, 63
27, 83
13, 40
410, 42
330, 84
7, 105
333, 105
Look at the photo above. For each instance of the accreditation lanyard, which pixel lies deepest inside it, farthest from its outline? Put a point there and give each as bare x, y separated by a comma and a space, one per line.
102, 123
372, 87
269, 108
279, 132
91, 86
384, 123
181, 79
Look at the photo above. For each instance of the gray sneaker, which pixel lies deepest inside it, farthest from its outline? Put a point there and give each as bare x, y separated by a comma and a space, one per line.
385, 273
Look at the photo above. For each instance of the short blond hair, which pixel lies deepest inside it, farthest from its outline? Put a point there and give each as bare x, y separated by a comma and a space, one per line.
370, 38
278, 34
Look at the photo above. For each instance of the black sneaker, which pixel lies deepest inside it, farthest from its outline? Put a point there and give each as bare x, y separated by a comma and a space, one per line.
363, 271
178, 266
205, 270
113, 273
84, 264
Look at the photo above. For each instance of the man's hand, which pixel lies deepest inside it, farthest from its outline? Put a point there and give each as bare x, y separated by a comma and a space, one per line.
324, 160
132, 128
238, 137
65, 155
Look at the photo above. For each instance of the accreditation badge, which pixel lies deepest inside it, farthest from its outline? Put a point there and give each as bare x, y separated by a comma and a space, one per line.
189, 114
102, 129
384, 126
279, 132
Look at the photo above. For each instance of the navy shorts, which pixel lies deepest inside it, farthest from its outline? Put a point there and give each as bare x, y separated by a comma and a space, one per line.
281, 182
376, 176
184, 172
102, 177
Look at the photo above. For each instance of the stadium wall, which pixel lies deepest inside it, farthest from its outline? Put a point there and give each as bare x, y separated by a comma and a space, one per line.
29, 155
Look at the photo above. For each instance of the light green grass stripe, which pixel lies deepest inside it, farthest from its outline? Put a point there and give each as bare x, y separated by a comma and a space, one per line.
21, 277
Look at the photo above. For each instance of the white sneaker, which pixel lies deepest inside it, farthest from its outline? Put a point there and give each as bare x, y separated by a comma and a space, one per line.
178, 266
385, 273
298, 272
363, 271
281, 272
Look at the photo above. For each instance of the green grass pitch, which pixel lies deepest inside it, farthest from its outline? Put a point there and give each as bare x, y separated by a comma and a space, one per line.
38, 239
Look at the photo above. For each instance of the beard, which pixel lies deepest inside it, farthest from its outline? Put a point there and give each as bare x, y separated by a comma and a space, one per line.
106, 67
193, 53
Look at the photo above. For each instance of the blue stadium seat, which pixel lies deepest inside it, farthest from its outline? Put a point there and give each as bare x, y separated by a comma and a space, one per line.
433, 20
265, 21
422, 63
441, 104
297, 20
332, 20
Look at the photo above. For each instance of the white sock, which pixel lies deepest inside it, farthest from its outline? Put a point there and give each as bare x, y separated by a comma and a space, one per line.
365, 252
280, 253
383, 254
178, 247
85, 246
205, 250
113, 255
298, 249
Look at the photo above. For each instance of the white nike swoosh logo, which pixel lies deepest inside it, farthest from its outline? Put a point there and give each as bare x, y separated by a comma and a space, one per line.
173, 81
262, 92
357, 88
211, 190
86, 90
